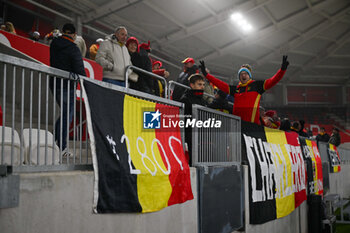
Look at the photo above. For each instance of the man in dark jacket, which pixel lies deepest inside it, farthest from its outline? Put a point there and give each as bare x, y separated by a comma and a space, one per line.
193, 96
335, 137
322, 136
65, 55
189, 68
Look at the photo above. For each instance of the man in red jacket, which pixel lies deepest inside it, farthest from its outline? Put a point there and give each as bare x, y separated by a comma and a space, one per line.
248, 92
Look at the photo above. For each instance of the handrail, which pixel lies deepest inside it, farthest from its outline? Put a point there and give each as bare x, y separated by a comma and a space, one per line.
148, 73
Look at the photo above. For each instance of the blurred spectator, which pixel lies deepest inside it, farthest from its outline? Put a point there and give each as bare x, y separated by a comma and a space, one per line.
262, 116
302, 131
50, 36
322, 136
8, 26
114, 57
145, 50
285, 125
335, 137
35, 36
220, 102
295, 127
271, 119
80, 42
208, 89
142, 84
189, 68
94, 48
309, 132
157, 69
248, 92
65, 55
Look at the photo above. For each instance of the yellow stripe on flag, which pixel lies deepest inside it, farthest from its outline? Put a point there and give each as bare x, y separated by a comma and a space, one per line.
335, 168
314, 165
285, 200
153, 190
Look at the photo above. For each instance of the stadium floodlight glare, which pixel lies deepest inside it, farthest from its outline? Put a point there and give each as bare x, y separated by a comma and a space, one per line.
236, 17
241, 22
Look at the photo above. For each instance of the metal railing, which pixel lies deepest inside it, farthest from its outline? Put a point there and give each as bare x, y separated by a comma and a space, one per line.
344, 155
215, 145
30, 97
150, 74
31, 94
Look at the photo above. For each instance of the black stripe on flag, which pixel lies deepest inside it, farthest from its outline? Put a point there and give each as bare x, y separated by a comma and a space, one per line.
117, 188
259, 211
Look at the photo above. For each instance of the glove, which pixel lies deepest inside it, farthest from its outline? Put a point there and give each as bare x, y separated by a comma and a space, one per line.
285, 63
203, 68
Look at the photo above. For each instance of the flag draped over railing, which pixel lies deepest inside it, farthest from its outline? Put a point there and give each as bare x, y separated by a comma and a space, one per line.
136, 169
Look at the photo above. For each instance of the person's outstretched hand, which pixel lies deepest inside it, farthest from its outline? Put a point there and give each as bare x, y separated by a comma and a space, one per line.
203, 68
285, 62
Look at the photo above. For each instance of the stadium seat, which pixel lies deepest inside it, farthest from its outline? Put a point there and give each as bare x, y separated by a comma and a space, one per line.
7, 144
34, 147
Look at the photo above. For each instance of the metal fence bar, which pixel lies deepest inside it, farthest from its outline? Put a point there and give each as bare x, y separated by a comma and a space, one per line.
54, 118
13, 111
22, 118
148, 73
39, 112
30, 116
3, 116
61, 119
74, 120
80, 126
47, 117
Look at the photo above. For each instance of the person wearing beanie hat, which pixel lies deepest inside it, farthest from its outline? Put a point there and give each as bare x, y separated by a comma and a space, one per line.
271, 119
248, 92
156, 69
132, 44
94, 48
189, 68
139, 58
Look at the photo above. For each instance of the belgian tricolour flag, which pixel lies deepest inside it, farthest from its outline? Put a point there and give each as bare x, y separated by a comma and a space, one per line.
334, 159
136, 169
277, 175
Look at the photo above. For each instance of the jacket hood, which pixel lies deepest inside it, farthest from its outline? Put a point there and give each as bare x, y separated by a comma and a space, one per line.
63, 42
111, 38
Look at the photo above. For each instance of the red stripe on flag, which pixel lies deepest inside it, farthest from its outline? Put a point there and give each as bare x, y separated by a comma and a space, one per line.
180, 180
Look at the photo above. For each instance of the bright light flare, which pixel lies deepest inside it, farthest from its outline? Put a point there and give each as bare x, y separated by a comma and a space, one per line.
241, 22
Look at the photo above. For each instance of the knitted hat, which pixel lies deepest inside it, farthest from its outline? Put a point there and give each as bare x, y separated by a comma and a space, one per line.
188, 60
157, 62
145, 46
246, 70
132, 39
270, 113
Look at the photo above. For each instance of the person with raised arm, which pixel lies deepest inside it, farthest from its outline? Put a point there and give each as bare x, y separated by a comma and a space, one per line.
247, 93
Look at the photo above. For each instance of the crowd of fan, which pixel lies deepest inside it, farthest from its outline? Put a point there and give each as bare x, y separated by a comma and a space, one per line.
116, 51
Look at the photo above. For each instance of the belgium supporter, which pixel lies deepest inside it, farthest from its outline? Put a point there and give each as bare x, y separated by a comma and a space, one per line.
157, 69
189, 68
248, 92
